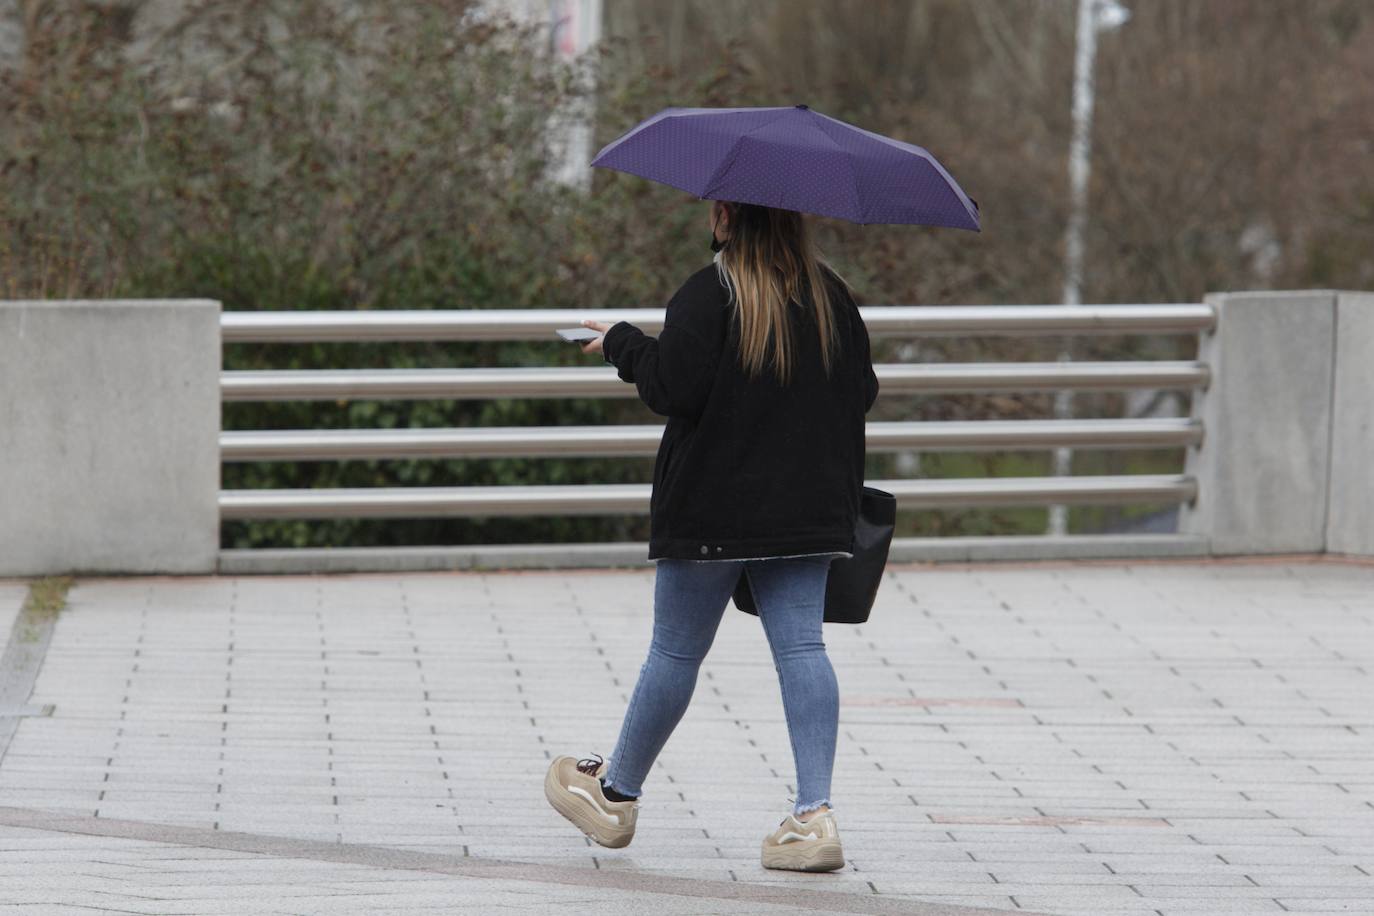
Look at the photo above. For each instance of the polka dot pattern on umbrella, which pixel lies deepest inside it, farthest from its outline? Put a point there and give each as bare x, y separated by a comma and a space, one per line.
796, 159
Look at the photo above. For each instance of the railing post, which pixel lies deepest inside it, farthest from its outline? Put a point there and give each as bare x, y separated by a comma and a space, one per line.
1350, 514
1263, 467
109, 437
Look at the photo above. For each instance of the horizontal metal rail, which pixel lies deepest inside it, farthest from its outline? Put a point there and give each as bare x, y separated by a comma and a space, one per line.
643, 440
620, 499
539, 324
580, 382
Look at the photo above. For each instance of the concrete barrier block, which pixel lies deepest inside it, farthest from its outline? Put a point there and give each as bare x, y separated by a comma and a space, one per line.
109, 437
1262, 467
1350, 515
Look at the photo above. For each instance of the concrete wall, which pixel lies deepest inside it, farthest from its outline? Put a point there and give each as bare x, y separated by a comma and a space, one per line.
109, 436
1284, 464
1350, 511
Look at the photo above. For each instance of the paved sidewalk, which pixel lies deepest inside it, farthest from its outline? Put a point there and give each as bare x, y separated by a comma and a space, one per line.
1168, 738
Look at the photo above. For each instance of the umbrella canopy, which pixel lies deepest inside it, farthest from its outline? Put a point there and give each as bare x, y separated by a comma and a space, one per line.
796, 159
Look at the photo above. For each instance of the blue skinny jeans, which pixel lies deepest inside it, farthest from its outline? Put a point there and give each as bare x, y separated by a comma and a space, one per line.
690, 597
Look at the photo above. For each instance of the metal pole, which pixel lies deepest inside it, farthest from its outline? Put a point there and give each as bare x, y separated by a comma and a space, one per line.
576, 29
1092, 15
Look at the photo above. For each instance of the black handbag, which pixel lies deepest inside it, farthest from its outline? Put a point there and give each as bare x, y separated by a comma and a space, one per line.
853, 582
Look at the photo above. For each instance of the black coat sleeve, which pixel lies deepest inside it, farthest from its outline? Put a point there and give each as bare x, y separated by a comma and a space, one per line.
866, 364
673, 372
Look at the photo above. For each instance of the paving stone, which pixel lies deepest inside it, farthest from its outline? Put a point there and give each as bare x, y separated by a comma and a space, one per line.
1075, 738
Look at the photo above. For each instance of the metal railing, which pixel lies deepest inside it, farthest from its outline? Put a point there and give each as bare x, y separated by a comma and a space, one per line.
538, 324
595, 382
637, 440
629, 498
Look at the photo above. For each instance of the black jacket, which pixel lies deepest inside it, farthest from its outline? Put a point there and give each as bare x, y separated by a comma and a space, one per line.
749, 468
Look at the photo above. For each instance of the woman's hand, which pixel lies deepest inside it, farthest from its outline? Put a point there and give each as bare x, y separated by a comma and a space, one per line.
594, 345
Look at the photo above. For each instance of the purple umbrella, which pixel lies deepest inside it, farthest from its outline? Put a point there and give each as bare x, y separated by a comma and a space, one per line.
793, 158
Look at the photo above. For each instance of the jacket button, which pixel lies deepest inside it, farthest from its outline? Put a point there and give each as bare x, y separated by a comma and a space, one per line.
703, 548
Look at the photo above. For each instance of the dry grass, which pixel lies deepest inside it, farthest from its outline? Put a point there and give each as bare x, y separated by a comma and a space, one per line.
47, 597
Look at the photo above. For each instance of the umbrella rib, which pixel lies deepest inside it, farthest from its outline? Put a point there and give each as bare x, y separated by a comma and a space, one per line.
924, 155
734, 152
853, 177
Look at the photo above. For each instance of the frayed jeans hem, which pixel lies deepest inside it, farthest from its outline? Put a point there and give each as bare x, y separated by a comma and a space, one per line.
802, 809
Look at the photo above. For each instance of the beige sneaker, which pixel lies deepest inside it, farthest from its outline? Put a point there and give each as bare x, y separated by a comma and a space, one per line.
573, 787
812, 845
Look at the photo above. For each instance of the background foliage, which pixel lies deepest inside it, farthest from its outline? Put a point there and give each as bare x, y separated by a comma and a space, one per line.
321, 154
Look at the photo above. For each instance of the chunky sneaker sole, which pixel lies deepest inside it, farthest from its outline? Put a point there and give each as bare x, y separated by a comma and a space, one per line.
573, 787
812, 845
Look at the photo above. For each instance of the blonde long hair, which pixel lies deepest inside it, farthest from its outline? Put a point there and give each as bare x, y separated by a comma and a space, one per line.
768, 253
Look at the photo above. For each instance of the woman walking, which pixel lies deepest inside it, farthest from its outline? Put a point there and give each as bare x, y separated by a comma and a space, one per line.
764, 372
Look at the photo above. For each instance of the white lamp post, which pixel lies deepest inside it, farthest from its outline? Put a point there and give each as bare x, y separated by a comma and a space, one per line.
577, 27
1093, 16
574, 28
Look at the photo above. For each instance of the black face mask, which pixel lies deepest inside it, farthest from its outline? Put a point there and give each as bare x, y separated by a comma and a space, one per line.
716, 244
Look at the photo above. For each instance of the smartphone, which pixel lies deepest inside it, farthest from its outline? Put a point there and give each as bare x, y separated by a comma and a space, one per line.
578, 334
